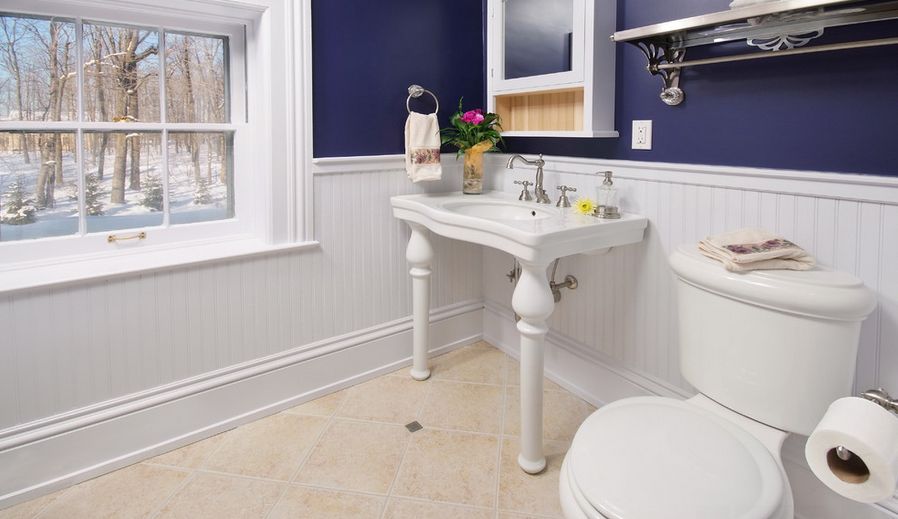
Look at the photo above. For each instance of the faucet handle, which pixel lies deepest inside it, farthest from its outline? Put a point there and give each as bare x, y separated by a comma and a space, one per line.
525, 194
563, 200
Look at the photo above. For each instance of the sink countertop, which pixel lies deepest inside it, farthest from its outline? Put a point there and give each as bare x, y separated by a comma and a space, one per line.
541, 239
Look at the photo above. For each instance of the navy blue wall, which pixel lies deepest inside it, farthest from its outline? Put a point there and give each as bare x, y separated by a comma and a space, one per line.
366, 54
829, 112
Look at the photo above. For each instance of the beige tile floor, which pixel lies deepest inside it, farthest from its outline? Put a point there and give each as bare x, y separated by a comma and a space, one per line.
348, 455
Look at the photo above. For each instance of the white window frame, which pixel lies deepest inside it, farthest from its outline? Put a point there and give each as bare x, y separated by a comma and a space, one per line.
272, 143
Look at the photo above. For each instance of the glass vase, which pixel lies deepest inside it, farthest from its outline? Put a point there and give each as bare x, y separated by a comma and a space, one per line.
473, 173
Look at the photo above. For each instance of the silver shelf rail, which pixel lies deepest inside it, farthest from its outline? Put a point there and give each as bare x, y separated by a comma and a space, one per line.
790, 52
780, 28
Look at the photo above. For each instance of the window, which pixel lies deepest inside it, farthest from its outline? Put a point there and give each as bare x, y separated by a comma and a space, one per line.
182, 122
114, 126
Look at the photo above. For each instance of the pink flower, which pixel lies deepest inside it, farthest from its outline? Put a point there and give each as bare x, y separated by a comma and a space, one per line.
473, 116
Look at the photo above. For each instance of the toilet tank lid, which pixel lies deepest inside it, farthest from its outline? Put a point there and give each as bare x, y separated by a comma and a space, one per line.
819, 292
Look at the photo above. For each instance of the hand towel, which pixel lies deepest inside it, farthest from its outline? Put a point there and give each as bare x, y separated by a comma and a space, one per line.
422, 147
755, 249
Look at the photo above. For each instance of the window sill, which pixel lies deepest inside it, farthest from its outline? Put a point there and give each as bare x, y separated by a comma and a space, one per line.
25, 276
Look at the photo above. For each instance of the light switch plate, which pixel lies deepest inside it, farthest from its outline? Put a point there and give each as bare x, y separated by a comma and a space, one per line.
642, 135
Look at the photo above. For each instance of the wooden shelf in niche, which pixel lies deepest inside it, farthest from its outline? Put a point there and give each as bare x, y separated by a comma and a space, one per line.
557, 110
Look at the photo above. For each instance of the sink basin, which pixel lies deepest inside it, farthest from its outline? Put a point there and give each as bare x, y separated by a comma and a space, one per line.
498, 210
527, 230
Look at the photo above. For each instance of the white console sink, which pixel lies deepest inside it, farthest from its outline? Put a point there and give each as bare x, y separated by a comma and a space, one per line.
526, 230
536, 234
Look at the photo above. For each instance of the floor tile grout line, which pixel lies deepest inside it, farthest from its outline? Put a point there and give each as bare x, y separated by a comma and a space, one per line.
43, 509
295, 473
330, 422
529, 515
439, 502
225, 439
337, 490
191, 476
502, 413
421, 406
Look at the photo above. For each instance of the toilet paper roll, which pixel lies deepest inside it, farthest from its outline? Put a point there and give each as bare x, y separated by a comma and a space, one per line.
870, 432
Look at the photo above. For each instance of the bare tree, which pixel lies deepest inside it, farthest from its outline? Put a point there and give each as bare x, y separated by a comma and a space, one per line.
10, 55
100, 148
51, 144
190, 108
121, 45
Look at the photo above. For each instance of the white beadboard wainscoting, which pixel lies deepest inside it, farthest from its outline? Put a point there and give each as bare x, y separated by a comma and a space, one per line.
97, 375
616, 335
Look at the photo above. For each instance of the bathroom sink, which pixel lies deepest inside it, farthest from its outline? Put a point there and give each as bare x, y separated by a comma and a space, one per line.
499, 210
535, 234
527, 230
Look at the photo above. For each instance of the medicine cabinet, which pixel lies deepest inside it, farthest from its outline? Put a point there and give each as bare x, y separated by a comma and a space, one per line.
550, 67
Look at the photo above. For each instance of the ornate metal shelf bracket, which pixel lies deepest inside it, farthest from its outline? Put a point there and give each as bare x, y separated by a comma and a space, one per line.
779, 29
657, 54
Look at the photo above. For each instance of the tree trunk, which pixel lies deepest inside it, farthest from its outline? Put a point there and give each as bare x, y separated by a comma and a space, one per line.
208, 159
190, 115
127, 82
60, 74
46, 178
101, 155
223, 159
57, 158
101, 102
117, 196
134, 142
12, 59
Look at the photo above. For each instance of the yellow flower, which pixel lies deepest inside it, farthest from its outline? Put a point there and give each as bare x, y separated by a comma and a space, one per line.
585, 205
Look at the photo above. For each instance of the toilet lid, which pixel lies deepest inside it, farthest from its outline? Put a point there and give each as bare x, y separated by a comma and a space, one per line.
652, 457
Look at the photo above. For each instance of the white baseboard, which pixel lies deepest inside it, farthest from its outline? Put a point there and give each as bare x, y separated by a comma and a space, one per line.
55, 453
600, 380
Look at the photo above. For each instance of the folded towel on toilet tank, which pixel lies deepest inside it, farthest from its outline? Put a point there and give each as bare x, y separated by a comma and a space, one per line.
755, 249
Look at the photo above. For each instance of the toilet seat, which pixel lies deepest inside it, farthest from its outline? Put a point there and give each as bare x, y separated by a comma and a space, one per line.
654, 457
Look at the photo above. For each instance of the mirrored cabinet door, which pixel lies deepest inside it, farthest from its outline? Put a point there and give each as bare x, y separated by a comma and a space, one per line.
537, 42
538, 37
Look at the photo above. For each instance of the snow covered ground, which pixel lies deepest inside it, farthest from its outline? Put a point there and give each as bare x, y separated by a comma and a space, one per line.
62, 219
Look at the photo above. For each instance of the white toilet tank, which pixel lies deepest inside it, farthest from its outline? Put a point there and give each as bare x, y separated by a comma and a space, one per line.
777, 346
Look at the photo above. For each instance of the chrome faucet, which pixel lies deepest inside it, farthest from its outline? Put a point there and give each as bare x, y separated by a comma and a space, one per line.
538, 191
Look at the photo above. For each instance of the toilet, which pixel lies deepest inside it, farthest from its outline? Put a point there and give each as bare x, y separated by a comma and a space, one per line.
767, 351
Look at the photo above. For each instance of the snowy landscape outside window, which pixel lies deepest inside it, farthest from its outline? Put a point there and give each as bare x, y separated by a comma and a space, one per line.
109, 127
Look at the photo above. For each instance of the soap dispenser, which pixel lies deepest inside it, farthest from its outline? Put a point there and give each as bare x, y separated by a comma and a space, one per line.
606, 199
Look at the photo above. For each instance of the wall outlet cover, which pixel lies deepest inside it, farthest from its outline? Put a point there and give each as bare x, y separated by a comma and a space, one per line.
642, 135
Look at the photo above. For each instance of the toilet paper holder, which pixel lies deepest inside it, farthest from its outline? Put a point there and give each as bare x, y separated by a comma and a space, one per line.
880, 397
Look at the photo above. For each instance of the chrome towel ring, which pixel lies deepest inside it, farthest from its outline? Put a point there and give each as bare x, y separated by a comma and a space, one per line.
417, 91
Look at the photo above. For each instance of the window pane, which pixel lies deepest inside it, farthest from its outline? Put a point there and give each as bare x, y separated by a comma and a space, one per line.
38, 191
122, 180
200, 176
196, 75
37, 69
121, 73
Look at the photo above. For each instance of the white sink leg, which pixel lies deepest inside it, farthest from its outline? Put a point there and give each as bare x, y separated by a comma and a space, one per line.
532, 300
419, 255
